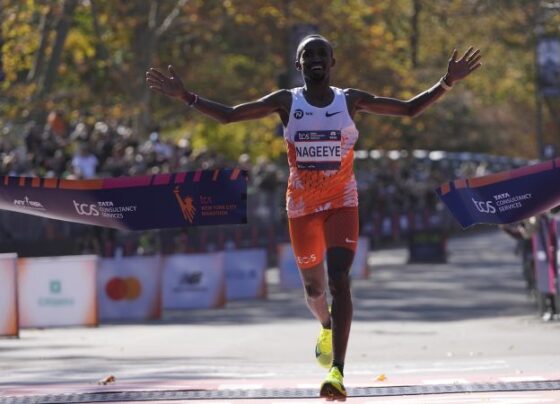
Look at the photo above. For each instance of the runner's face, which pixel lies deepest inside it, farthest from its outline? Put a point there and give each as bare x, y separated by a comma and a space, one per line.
316, 60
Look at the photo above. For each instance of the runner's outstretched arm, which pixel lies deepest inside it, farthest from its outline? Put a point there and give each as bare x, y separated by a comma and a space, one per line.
172, 86
456, 71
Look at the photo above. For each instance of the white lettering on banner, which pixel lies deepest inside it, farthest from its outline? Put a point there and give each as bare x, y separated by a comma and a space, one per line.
103, 208
507, 202
484, 206
27, 203
85, 209
503, 202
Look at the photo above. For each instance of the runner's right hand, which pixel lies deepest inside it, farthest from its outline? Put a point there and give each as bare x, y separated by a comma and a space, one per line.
171, 86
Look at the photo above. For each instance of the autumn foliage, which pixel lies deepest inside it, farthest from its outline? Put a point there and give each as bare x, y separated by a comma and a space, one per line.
87, 59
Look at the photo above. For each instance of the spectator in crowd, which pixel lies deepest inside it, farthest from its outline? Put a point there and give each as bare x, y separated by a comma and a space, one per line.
57, 123
84, 162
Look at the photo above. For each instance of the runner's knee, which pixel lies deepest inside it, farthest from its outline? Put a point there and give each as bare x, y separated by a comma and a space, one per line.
313, 290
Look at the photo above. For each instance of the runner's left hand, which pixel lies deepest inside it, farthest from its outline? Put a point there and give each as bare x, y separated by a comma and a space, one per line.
459, 69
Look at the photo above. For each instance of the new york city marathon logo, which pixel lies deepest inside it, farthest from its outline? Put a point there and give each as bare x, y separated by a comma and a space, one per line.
186, 204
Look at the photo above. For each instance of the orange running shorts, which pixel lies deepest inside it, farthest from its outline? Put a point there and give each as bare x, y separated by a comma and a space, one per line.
312, 234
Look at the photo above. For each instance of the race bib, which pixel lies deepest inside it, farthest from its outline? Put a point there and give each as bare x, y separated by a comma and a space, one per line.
318, 150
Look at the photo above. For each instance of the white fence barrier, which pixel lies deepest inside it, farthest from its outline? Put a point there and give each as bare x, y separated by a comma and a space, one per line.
193, 281
245, 274
129, 288
9, 319
289, 273
57, 291
360, 268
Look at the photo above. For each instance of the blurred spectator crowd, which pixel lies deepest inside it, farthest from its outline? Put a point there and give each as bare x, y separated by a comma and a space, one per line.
396, 188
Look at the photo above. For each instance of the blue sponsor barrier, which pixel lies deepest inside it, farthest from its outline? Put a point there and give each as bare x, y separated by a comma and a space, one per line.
427, 246
245, 274
193, 281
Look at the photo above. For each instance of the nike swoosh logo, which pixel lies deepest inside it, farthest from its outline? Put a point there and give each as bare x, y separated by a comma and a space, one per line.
349, 241
328, 115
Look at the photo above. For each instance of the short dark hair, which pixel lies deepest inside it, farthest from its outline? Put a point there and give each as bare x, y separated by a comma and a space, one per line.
308, 38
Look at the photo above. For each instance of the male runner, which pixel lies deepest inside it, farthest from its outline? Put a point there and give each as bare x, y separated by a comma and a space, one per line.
322, 198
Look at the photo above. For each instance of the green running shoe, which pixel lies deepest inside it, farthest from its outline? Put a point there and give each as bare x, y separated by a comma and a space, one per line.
323, 348
333, 387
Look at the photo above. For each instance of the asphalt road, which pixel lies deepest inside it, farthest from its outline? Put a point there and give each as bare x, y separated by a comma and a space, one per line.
457, 324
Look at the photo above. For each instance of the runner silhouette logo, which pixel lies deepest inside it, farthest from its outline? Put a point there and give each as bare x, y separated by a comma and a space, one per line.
298, 114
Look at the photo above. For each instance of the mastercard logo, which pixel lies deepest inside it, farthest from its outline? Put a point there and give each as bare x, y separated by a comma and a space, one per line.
123, 288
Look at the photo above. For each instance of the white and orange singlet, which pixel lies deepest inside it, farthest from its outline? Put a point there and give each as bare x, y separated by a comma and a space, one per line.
322, 196
320, 143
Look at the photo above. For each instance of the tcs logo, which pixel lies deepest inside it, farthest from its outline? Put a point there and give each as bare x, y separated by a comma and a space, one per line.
484, 206
86, 209
123, 288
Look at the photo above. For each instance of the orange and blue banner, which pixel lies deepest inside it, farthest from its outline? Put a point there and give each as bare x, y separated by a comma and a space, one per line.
504, 197
197, 198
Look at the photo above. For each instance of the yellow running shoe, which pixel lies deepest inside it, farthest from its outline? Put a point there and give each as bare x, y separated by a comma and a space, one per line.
333, 388
323, 348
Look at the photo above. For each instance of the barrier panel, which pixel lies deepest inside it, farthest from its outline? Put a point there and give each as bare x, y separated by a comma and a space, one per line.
245, 274
192, 281
360, 269
129, 288
9, 321
289, 273
545, 276
556, 229
57, 291
429, 246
